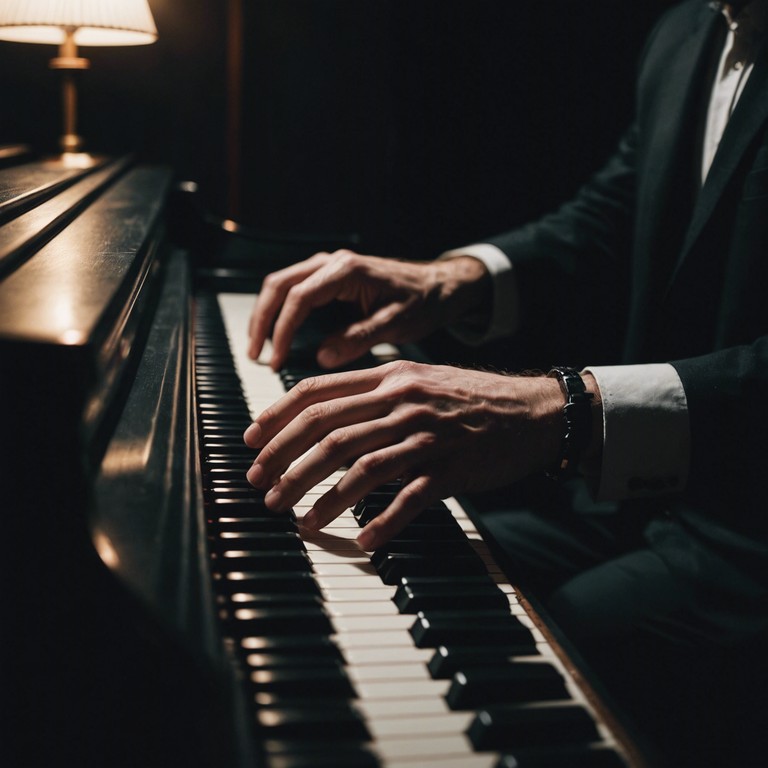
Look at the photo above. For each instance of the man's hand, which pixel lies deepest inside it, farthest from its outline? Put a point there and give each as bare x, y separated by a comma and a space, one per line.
441, 430
400, 301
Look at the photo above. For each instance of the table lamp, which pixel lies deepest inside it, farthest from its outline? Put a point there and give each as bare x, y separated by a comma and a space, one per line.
69, 24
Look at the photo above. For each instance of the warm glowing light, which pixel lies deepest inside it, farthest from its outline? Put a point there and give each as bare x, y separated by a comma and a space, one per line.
105, 550
95, 22
72, 337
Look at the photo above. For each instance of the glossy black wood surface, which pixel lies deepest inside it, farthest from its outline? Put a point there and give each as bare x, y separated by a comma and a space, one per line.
109, 657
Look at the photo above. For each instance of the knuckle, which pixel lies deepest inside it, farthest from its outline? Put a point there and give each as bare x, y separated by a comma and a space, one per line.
333, 442
315, 416
373, 464
306, 387
295, 294
416, 493
270, 282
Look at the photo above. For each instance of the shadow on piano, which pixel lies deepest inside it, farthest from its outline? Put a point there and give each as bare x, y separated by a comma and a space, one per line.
119, 572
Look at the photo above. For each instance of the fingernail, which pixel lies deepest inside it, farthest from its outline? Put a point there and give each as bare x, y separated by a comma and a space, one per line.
252, 435
328, 357
366, 540
255, 474
310, 520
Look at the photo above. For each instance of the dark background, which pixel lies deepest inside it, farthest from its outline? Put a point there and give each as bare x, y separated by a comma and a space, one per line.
417, 124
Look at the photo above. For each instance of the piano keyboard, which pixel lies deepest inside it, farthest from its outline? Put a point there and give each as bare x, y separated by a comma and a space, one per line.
339, 664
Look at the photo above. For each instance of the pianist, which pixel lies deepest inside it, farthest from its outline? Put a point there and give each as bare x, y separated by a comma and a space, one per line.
637, 513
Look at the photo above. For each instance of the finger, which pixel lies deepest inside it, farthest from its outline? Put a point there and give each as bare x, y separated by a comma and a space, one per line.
362, 445
327, 283
273, 291
306, 393
340, 430
369, 472
359, 337
413, 498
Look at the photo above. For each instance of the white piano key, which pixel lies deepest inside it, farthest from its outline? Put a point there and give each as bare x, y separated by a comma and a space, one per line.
342, 569
358, 657
332, 543
471, 760
337, 608
382, 639
408, 672
396, 690
342, 557
384, 709
337, 593
374, 623
429, 725
391, 747
355, 580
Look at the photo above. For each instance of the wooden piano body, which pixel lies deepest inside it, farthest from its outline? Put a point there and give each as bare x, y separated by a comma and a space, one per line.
114, 651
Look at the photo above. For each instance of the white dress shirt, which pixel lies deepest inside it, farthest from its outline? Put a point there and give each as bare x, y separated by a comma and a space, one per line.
646, 432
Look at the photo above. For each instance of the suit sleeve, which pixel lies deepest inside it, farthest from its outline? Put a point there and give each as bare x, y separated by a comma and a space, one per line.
571, 267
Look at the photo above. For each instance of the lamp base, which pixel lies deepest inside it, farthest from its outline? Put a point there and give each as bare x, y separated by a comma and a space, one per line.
75, 160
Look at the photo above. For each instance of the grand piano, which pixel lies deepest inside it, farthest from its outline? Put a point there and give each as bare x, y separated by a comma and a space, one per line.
156, 614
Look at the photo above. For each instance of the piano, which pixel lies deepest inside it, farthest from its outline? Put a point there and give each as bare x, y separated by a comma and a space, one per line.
156, 614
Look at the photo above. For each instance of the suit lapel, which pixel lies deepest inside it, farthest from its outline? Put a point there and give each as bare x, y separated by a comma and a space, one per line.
749, 116
672, 127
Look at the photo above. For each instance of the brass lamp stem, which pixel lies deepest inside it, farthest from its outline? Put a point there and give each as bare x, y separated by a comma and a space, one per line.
69, 63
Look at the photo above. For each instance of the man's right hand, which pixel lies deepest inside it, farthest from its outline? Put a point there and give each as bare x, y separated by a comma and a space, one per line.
400, 301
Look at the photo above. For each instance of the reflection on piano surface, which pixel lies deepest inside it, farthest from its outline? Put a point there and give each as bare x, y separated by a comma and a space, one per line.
157, 614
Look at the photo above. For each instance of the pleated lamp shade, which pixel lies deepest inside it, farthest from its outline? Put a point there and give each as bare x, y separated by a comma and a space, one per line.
95, 22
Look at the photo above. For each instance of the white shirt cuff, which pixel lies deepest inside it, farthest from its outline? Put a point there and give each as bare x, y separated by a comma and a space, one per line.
504, 318
646, 433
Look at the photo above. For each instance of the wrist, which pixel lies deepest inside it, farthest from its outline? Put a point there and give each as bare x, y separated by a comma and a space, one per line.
466, 288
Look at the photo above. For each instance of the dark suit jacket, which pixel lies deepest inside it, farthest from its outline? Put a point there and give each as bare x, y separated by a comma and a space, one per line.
646, 265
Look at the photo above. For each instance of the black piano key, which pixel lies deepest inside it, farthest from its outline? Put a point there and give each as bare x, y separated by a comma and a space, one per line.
330, 722
448, 660
397, 565
215, 483
218, 494
232, 449
253, 560
329, 681
420, 546
410, 598
354, 756
272, 523
279, 621
277, 660
222, 473
262, 601
428, 531
365, 511
260, 540
484, 628
516, 681
472, 579
572, 756
250, 508
267, 582
508, 727
318, 645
